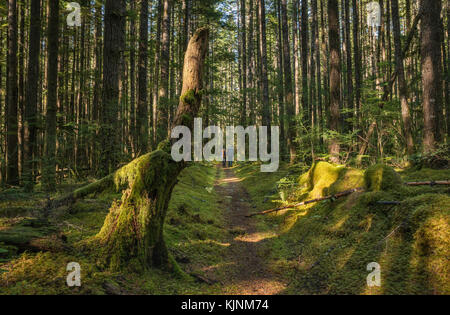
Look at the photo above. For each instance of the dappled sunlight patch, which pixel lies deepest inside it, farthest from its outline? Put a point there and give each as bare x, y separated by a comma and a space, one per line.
255, 287
325, 248
256, 237
220, 266
339, 224
208, 242
230, 180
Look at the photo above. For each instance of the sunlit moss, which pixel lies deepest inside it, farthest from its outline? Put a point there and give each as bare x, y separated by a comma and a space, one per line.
382, 177
326, 249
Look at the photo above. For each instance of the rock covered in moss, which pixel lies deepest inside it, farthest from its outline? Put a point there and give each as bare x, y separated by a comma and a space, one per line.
382, 178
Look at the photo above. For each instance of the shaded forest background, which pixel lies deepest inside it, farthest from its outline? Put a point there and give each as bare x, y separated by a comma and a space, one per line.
82, 101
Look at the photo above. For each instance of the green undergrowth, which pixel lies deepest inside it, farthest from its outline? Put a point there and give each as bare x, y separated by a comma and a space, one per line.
325, 248
193, 230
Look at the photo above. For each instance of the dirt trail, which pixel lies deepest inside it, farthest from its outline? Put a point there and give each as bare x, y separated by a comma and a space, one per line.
247, 273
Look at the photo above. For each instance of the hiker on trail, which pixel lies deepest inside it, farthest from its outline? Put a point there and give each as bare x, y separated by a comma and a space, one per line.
230, 156
224, 158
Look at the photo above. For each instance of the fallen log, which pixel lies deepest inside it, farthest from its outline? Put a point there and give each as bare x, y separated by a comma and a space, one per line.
304, 203
429, 183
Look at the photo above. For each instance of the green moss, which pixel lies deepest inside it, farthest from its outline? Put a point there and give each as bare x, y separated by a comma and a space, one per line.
189, 97
321, 180
22, 233
382, 177
326, 249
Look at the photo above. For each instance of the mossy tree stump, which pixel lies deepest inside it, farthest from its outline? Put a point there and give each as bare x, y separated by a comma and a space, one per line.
132, 234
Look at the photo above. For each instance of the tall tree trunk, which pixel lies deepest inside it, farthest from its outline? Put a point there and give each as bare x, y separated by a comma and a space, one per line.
49, 170
288, 86
312, 90
163, 103
251, 61
431, 70
266, 112
132, 119
318, 66
244, 63
335, 77
280, 85
348, 53
32, 93
156, 74
21, 87
12, 167
304, 48
295, 44
142, 110
114, 45
403, 89
358, 63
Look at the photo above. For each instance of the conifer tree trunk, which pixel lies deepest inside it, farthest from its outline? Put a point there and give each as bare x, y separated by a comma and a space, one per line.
142, 110
335, 76
12, 167
431, 70
304, 53
114, 45
244, 63
32, 93
288, 86
403, 89
163, 103
266, 112
49, 170
357, 59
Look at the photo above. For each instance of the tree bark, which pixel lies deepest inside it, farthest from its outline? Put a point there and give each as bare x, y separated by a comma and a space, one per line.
49, 170
244, 121
32, 94
288, 86
403, 89
114, 45
358, 63
304, 53
348, 53
335, 77
12, 167
431, 70
163, 103
266, 112
142, 109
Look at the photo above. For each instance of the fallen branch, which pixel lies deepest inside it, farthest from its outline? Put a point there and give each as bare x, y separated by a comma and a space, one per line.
429, 183
304, 203
201, 278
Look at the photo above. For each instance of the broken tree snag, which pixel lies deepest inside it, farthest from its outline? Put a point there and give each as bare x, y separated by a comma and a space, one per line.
304, 203
191, 93
132, 234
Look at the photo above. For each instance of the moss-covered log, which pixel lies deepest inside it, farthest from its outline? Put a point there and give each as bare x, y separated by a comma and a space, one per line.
132, 235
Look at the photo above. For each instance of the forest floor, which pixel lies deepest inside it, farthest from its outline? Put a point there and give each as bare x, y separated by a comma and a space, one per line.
322, 248
246, 256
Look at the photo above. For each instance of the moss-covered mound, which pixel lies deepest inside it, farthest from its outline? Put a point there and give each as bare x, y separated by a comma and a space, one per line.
325, 248
194, 232
325, 179
382, 177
